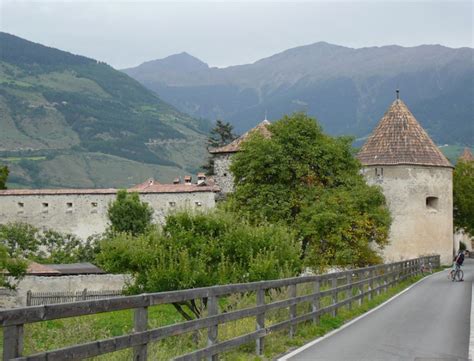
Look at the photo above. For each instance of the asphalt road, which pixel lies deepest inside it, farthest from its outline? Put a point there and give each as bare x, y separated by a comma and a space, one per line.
430, 322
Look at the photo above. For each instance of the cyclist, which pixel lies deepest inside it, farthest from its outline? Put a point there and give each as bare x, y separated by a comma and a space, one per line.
458, 261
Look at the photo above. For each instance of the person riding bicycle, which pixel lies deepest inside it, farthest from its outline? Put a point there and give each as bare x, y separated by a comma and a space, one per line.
458, 261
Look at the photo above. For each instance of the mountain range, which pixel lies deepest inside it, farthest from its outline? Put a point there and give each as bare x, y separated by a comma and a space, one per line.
347, 89
71, 121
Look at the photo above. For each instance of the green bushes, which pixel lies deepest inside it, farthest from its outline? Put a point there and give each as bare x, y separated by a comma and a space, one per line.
198, 250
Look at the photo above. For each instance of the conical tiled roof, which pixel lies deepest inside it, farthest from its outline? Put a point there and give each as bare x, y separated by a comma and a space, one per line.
400, 139
234, 146
466, 156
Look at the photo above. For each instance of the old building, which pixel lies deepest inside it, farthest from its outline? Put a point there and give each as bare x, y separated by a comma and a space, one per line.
223, 157
416, 179
83, 212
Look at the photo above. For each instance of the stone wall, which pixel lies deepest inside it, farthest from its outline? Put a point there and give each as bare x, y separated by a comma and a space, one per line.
421, 204
222, 175
86, 214
109, 282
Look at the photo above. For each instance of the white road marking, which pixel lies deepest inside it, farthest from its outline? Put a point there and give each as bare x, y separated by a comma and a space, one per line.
312, 343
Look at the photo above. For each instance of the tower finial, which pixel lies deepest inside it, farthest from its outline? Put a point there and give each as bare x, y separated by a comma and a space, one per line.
398, 93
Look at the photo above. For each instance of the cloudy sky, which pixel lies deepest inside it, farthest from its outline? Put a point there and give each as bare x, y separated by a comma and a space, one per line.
222, 33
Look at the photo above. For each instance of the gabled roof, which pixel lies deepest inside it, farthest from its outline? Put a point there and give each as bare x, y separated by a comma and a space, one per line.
234, 146
400, 139
466, 155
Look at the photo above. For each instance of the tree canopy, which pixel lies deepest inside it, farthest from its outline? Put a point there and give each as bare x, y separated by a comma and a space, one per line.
463, 196
311, 182
198, 250
128, 214
3, 177
221, 134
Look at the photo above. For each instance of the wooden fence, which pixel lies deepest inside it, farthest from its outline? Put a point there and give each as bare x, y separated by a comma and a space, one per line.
54, 297
343, 288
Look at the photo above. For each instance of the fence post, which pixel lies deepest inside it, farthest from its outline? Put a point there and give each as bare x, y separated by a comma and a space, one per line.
292, 309
316, 302
371, 285
84, 294
28, 298
212, 310
140, 323
12, 341
349, 281
334, 295
260, 321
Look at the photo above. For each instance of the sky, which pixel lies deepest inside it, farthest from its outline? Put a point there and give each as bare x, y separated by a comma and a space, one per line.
223, 33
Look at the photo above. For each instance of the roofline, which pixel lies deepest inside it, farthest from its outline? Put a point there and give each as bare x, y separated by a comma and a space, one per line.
217, 151
405, 163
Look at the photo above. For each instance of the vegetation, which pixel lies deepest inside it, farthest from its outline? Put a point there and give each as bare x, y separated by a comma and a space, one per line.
22, 241
13, 269
58, 103
127, 214
311, 182
197, 250
3, 177
463, 196
220, 135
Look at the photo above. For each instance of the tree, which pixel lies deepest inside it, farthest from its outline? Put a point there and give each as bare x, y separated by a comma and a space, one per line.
198, 250
128, 214
3, 177
19, 239
463, 196
13, 269
220, 135
312, 182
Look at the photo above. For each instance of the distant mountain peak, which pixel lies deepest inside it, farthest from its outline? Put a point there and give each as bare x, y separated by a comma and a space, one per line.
180, 62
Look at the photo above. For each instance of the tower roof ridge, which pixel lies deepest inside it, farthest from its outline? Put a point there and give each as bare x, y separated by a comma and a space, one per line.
400, 139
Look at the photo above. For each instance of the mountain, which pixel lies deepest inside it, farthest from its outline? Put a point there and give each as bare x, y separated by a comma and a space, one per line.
71, 121
346, 89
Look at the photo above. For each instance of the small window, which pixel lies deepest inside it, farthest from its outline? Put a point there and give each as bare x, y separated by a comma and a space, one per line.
198, 204
379, 173
225, 174
45, 207
432, 203
21, 207
172, 204
94, 206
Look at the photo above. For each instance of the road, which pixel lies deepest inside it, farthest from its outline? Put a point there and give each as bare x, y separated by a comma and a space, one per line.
429, 322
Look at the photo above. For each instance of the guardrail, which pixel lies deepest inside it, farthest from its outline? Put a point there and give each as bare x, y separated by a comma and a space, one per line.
344, 288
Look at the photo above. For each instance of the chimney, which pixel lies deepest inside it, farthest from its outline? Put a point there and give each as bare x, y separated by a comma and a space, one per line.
176, 180
187, 179
201, 178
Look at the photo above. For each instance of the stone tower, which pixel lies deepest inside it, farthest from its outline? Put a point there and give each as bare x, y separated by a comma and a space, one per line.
416, 179
223, 157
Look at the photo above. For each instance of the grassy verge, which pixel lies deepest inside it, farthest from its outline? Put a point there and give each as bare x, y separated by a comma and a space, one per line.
55, 334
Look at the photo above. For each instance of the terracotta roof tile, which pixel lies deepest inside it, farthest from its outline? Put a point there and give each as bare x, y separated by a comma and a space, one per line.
400, 139
41, 269
234, 146
149, 186
466, 155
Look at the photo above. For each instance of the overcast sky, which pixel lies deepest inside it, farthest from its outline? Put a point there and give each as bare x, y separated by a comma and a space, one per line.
222, 33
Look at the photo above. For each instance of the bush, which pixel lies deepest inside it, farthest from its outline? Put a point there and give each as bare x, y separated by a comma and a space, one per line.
198, 250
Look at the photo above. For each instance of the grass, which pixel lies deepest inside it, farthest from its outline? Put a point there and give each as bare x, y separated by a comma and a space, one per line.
55, 334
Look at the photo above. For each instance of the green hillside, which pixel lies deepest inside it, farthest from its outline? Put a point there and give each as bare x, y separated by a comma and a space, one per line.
71, 121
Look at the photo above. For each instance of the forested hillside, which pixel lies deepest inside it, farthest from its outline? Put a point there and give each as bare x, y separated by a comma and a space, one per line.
347, 89
70, 121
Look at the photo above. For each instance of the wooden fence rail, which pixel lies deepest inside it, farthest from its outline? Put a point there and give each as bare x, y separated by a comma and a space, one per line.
54, 297
343, 288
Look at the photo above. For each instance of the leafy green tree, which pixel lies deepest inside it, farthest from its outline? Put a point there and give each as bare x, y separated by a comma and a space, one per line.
13, 269
220, 135
198, 250
20, 239
311, 182
463, 196
128, 214
3, 177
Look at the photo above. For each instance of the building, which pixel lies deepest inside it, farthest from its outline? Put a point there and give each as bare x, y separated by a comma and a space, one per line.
416, 179
83, 212
223, 157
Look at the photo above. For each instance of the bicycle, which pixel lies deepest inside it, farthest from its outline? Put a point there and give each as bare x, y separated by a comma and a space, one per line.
456, 275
